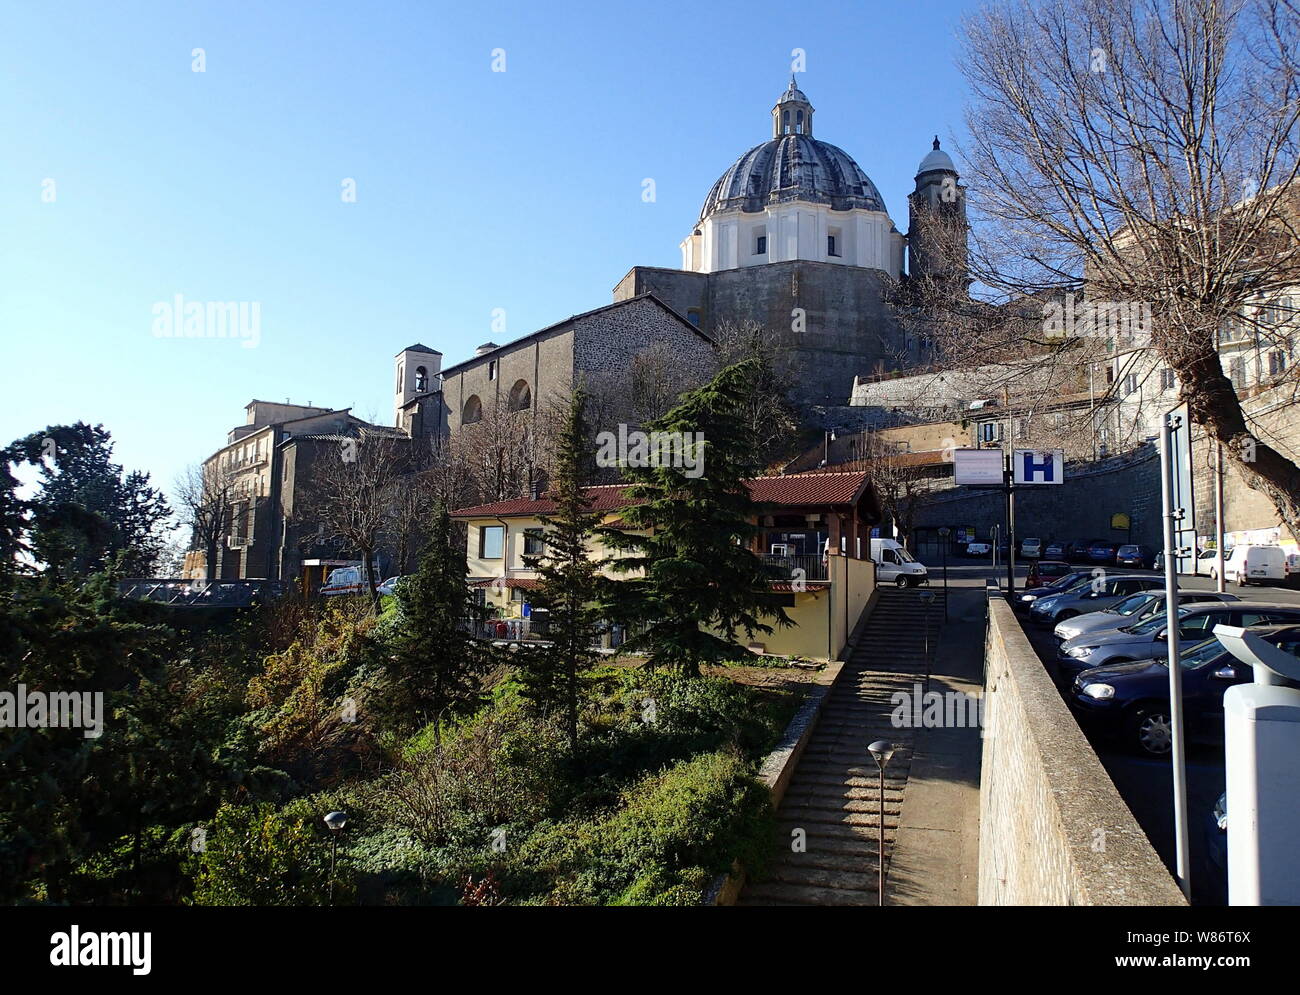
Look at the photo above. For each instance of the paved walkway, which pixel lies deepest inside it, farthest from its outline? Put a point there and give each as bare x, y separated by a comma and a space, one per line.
834, 794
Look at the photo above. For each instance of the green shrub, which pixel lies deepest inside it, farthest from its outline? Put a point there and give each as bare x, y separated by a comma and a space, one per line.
256, 855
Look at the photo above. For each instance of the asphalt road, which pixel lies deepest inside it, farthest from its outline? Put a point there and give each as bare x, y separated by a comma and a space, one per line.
1146, 785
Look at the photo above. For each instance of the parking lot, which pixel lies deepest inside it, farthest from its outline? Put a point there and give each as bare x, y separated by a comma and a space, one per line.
1145, 783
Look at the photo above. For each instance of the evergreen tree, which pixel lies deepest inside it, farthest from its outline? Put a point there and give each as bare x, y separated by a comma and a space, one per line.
86, 510
569, 579
698, 571
437, 664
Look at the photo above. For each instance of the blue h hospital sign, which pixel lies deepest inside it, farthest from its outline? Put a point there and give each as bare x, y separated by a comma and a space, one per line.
1039, 466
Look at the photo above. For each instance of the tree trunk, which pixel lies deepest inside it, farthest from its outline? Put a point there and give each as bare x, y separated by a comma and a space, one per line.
1215, 406
371, 584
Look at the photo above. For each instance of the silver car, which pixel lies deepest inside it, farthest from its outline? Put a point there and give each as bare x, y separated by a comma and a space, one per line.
1134, 608
1145, 640
1094, 594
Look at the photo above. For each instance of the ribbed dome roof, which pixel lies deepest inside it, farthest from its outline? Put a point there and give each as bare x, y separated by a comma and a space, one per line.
793, 167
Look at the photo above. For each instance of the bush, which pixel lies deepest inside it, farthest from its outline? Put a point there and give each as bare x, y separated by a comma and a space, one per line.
256, 855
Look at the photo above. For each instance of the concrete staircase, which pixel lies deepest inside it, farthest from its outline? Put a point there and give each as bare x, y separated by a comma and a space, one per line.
834, 795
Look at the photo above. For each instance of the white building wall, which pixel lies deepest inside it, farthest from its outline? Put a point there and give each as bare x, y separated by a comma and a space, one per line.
796, 231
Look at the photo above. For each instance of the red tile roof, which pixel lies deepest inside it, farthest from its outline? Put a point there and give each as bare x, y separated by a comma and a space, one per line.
814, 489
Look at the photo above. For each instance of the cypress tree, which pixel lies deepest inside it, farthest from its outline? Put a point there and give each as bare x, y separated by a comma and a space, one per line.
569, 579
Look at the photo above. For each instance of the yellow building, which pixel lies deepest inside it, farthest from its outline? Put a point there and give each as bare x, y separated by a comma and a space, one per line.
813, 528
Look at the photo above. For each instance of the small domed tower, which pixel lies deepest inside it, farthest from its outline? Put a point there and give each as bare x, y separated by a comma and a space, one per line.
792, 114
936, 236
417, 370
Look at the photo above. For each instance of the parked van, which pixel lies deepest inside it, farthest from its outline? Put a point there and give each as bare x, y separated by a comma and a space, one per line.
895, 565
347, 580
1255, 565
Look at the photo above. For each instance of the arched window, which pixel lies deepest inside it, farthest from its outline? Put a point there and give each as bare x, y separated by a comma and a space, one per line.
473, 411
521, 397
785, 122
798, 123
421, 379
401, 373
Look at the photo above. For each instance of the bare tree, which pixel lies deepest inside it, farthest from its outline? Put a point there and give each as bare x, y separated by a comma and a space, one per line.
352, 495
204, 497
1147, 151
770, 417
900, 481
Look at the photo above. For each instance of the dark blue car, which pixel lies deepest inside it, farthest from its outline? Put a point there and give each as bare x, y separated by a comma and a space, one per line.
1131, 700
1027, 597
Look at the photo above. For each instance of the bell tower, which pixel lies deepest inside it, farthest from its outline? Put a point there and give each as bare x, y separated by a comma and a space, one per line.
936, 234
417, 368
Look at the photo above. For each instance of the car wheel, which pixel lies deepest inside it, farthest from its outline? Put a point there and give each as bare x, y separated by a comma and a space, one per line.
901, 582
1151, 731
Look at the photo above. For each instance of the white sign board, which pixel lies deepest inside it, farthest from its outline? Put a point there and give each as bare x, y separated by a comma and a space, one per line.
1039, 466
977, 466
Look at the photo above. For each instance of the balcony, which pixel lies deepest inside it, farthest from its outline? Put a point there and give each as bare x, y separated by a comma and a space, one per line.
784, 567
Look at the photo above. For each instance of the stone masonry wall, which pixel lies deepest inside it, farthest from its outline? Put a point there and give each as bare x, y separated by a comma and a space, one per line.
1053, 829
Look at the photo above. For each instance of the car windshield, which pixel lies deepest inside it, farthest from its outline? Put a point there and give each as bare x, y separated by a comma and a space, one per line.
1128, 550
1069, 582
905, 556
1132, 605
1153, 622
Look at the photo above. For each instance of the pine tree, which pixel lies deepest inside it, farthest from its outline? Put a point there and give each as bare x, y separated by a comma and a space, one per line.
569, 579
699, 572
437, 666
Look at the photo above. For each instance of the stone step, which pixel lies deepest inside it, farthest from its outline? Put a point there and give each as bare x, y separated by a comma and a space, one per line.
777, 893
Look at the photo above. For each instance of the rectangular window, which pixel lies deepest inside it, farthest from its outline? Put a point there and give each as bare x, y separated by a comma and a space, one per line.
832, 245
760, 245
1167, 379
534, 544
1130, 384
491, 539
492, 369
1276, 362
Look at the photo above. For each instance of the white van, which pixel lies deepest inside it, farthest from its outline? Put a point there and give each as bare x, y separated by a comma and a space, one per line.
1255, 564
895, 565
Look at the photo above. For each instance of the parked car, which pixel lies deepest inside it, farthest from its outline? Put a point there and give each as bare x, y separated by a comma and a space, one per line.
1031, 594
1092, 595
1057, 550
1254, 565
1133, 554
979, 548
1145, 640
1031, 549
1103, 552
389, 586
1079, 550
1131, 700
1045, 570
1133, 609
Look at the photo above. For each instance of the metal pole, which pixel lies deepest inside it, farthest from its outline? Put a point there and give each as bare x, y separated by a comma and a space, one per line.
1177, 758
334, 849
880, 845
1011, 530
1220, 582
945, 579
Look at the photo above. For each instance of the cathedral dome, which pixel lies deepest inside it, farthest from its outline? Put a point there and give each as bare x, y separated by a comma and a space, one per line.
793, 167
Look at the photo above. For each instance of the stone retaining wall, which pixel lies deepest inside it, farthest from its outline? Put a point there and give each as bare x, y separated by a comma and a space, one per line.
1053, 829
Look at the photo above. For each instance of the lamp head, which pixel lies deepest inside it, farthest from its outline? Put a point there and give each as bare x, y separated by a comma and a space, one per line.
336, 820
881, 750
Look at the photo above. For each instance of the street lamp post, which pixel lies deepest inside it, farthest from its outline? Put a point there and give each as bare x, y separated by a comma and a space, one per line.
336, 821
881, 750
927, 597
943, 546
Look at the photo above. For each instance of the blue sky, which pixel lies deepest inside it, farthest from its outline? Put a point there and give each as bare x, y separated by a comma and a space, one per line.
475, 190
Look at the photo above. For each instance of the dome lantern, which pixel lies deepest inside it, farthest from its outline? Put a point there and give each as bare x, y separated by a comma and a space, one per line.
792, 114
